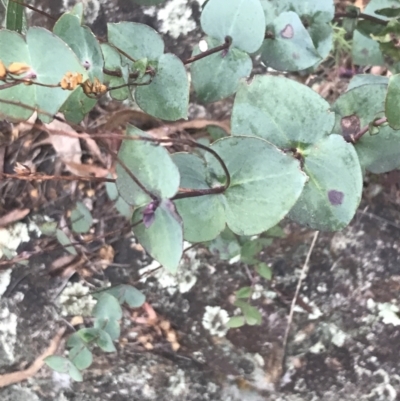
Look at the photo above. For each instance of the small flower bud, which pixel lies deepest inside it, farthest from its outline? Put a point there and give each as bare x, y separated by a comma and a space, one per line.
3, 71
18, 68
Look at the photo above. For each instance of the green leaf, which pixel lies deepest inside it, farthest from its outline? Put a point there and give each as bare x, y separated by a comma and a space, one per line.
276, 232
105, 342
137, 40
244, 292
331, 196
81, 218
63, 239
113, 62
226, 245
14, 16
265, 184
264, 271
81, 357
63, 365
217, 76
203, 216
163, 240
87, 48
366, 79
47, 66
107, 307
151, 164
282, 111
311, 31
126, 293
123, 208
358, 108
108, 325
365, 50
392, 102
235, 322
252, 248
251, 314
291, 48
167, 96
390, 12
75, 340
77, 11
87, 335
216, 132
241, 20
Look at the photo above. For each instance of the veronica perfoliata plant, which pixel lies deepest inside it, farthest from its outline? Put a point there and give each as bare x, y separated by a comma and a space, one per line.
289, 154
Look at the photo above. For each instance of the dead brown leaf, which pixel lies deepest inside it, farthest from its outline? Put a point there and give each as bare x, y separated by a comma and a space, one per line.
16, 377
13, 216
68, 148
170, 129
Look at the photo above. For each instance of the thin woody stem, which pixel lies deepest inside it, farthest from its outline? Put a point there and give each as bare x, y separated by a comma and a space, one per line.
208, 52
44, 177
356, 137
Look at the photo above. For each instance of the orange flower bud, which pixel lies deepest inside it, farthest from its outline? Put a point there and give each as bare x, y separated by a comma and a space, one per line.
18, 68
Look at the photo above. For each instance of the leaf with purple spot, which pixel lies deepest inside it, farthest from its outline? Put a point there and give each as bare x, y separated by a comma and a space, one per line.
333, 192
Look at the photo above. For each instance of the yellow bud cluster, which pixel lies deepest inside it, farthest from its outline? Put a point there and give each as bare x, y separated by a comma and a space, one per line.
71, 80
94, 88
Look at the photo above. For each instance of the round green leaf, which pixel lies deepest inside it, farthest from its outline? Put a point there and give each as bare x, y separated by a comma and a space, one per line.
107, 307
50, 67
331, 196
358, 108
235, 322
226, 245
264, 271
151, 164
292, 48
315, 17
265, 183
203, 217
81, 357
283, 111
81, 218
167, 96
82, 42
366, 79
163, 240
251, 314
217, 76
242, 20
87, 48
126, 293
13, 48
365, 50
136, 40
244, 292
63, 365
105, 342
110, 326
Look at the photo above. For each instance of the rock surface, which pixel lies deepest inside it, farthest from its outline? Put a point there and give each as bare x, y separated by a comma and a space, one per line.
344, 342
